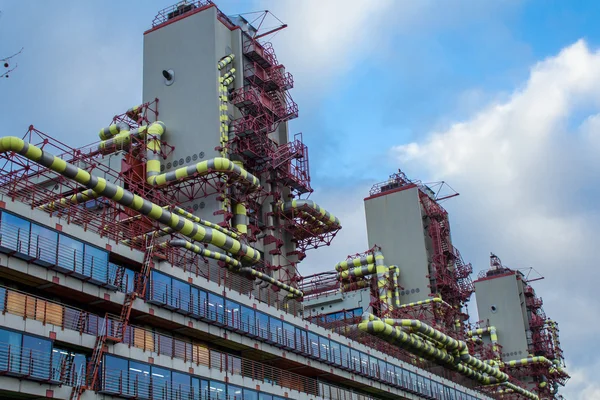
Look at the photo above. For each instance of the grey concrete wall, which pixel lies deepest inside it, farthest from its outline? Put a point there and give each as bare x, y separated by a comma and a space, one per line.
394, 222
499, 301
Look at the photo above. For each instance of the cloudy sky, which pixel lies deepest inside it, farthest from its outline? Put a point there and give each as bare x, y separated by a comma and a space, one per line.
500, 99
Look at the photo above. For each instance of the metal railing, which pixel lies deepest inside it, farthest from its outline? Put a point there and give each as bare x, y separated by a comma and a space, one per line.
49, 253
32, 364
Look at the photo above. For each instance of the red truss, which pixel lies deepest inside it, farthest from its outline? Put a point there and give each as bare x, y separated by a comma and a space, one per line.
270, 79
262, 54
144, 114
290, 163
438, 315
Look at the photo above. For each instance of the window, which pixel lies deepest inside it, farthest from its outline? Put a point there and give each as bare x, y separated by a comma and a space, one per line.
37, 353
115, 377
232, 314
10, 344
15, 233
43, 245
345, 356
95, 263
234, 393
161, 379
301, 340
262, 322
217, 390
215, 308
250, 394
248, 322
324, 351
180, 299
288, 336
139, 380
180, 385
276, 330
160, 288
313, 344
70, 254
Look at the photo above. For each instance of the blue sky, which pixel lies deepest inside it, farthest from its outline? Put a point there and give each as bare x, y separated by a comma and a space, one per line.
501, 99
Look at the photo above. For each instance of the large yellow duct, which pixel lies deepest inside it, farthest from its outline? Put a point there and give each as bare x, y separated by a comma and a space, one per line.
355, 262
450, 344
153, 133
308, 208
113, 130
493, 337
124, 197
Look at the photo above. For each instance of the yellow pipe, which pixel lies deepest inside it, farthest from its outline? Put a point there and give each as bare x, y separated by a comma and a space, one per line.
112, 130
209, 224
358, 272
126, 198
311, 209
493, 337
157, 233
450, 343
423, 302
77, 198
293, 292
355, 262
153, 133
232, 262
395, 278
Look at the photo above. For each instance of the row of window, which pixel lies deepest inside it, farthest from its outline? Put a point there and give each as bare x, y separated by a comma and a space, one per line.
128, 378
187, 299
36, 358
55, 250
49, 248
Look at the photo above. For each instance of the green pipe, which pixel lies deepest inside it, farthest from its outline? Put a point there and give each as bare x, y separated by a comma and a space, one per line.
127, 199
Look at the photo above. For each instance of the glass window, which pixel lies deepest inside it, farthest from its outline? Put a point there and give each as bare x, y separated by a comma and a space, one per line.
276, 330
215, 308
301, 340
15, 233
95, 263
70, 254
234, 392
180, 384
345, 356
43, 244
217, 390
139, 380
232, 314
262, 322
313, 344
288, 336
248, 322
324, 348
355, 360
38, 355
115, 377
161, 379
364, 363
10, 343
180, 298
335, 352
382, 369
264, 396
160, 288
250, 394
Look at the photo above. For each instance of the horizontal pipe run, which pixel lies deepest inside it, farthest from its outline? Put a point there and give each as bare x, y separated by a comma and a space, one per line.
128, 199
157, 233
313, 210
77, 198
235, 264
423, 302
113, 130
201, 221
293, 292
418, 326
355, 262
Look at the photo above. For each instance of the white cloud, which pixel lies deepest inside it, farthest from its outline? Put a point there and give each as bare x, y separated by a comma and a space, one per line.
527, 169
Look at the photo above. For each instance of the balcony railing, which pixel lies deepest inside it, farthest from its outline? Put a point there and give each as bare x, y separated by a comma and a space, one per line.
48, 252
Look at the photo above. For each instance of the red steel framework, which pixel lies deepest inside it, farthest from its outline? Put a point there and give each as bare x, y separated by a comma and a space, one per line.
450, 276
544, 339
